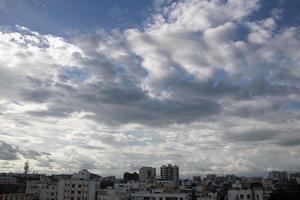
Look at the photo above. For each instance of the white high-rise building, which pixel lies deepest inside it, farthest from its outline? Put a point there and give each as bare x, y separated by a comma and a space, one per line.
79, 187
49, 192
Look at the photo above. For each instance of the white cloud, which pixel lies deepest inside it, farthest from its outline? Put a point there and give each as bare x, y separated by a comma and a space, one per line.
186, 89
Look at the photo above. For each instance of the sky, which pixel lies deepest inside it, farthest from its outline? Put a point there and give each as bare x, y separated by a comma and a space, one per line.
110, 86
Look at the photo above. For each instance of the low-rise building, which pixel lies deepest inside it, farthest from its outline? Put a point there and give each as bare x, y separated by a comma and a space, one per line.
112, 194
245, 194
160, 196
126, 187
15, 196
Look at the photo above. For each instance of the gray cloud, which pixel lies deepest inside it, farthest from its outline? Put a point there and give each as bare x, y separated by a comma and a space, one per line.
8, 152
289, 142
181, 89
254, 135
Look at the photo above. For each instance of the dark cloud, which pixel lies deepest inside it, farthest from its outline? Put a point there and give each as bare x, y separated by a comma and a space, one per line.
39, 95
289, 142
8, 152
253, 135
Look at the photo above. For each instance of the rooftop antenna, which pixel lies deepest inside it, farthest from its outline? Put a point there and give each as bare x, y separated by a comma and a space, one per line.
26, 169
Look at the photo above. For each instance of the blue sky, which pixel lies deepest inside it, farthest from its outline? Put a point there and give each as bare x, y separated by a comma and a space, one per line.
212, 86
58, 17
85, 16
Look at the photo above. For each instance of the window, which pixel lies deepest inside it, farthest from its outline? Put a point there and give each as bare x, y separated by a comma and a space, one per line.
79, 192
242, 196
73, 185
248, 196
257, 197
79, 185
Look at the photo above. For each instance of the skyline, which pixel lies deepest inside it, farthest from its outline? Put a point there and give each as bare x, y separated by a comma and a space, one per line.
110, 86
157, 176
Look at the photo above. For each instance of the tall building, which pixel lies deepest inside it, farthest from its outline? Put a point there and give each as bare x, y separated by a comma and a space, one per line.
147, 173
130, 176
197, 178
211, 177
80, 187
281, 176
170, 173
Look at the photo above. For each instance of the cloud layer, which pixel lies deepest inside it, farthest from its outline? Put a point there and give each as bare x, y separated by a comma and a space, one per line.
202, 85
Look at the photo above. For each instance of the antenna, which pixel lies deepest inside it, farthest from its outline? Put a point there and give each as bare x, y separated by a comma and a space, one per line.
26, 168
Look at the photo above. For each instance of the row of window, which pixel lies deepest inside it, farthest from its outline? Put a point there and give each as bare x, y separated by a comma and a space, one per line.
74, 185
11, 198
78, 198
161, 198
78, 192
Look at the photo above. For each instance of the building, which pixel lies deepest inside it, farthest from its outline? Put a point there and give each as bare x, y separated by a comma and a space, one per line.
112, 194
15, 196
211, 177
50, 192
8, 180
197, 178
130, 177
281, 176
231, 178
79, 187
35, 186
147, 173
245, 194
170, 173
209, 196
160, 196
126, 187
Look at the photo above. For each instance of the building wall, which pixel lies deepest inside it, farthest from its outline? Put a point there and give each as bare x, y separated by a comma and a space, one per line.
161, 196
170, 173
49, 193
79, 187
15, 196
112, 194
76, 190
7, 180
147, 173
245, 194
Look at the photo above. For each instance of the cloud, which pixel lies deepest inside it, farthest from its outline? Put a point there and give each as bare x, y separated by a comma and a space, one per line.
252, 135
289, 142
201, 84
8, 152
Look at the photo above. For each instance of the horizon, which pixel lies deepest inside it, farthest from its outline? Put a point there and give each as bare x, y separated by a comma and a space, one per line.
110, 86
120, 175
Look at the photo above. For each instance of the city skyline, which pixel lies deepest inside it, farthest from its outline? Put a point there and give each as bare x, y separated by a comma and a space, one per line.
156, 174
111, 86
